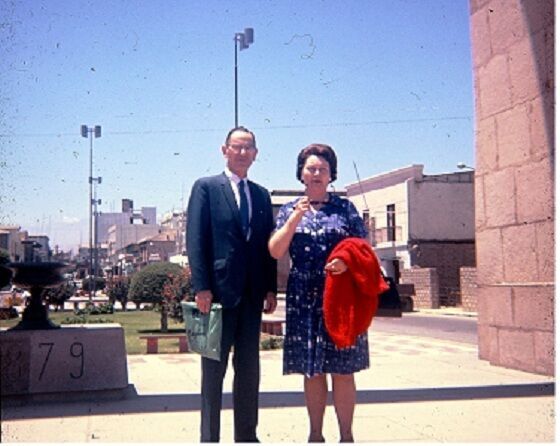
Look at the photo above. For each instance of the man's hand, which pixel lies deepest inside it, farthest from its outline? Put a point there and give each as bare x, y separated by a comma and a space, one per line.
270, 303
203, 300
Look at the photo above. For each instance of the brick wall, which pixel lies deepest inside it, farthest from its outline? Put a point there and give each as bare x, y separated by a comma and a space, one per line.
447, 258
468, 289
513, 66
426, 286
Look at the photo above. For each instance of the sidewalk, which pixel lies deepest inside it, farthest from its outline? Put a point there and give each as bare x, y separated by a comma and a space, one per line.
417, 389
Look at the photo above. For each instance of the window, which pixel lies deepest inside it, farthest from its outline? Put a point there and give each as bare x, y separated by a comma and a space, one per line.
391, 223
370, 227
365, 217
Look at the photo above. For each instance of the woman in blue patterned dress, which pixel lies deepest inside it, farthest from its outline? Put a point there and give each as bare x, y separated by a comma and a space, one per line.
310, 227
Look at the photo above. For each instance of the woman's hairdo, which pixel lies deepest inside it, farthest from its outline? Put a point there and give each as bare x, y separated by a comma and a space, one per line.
321, 150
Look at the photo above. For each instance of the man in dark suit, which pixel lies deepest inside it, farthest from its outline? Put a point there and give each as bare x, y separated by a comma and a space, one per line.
229, 222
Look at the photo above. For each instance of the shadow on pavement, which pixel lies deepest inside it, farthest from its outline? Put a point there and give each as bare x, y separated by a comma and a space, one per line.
191, 402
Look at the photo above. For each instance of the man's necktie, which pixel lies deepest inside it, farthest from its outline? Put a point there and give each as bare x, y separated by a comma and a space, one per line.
243, 207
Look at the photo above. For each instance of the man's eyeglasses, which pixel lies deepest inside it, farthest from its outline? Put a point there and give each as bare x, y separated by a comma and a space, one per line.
238, 147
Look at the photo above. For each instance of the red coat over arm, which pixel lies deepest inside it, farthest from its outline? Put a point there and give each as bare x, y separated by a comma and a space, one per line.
350, 299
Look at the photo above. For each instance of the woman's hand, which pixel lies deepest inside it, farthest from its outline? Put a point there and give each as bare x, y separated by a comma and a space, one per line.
280, 240
302, 206
336, 266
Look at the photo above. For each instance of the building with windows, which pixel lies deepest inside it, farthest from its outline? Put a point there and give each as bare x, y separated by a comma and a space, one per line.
120, 236
175, 222
418, 220
10, 240
41, 247
158, 248
127, 216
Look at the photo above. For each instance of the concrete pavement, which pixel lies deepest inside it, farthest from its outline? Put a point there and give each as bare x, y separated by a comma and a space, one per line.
417, 389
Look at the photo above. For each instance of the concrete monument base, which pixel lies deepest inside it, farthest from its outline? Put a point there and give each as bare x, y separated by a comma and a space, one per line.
73, 361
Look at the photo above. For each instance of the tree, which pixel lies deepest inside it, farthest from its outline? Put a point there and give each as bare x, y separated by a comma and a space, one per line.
117, 290
148, 285
177, 288
99, 283
58, 295
4, 256
5, 273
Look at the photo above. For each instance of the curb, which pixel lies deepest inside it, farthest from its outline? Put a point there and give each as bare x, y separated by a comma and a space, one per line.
444, 312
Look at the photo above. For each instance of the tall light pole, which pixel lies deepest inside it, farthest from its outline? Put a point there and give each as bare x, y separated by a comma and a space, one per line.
244, 39
92, 131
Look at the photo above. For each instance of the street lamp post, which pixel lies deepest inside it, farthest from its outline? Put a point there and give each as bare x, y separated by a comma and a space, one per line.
95, 202
93, 132
244, 39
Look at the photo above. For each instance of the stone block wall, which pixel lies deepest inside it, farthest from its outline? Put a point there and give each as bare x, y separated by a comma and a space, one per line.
513, 66
468, 289
426, 286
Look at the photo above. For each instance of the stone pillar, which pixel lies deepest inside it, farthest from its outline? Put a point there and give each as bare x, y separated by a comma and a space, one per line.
513, 63
468, 288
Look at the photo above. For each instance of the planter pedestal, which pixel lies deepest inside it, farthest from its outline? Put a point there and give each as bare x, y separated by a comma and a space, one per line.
73, 361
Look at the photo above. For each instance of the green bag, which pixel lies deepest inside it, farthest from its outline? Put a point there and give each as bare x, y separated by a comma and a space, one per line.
204, 330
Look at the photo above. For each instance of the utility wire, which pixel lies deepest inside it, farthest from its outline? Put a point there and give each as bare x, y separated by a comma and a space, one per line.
270, 127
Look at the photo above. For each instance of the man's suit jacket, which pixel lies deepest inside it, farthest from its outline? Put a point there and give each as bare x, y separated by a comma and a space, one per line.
220, 258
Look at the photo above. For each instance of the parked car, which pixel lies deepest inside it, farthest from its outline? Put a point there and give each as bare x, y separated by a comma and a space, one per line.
396, 299
389, 301
406, 292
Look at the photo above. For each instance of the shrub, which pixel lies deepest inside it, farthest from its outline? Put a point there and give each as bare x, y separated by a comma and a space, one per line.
8, 313
271, 342
82, 319
91, 308
161, 284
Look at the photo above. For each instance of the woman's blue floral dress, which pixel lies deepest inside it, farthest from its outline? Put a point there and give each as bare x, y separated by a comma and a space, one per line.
308, 348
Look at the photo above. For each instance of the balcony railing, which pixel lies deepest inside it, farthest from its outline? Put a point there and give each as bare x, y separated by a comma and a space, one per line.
383, 235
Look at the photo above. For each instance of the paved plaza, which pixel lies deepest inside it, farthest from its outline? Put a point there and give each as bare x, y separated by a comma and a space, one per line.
416, 390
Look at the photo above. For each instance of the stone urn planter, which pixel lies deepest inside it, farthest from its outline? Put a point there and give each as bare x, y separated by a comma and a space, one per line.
35, 277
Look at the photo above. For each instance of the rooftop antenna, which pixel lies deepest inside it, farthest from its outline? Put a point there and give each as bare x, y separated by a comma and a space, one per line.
366, 208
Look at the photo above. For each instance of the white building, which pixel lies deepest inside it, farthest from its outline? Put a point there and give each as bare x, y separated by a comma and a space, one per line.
175, 222
128, 216
419, 220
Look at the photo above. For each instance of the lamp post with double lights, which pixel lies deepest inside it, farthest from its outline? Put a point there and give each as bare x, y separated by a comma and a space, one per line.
244, 39
91, 132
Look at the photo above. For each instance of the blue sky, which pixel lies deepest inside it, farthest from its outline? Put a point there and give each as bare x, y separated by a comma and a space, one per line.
386, 83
